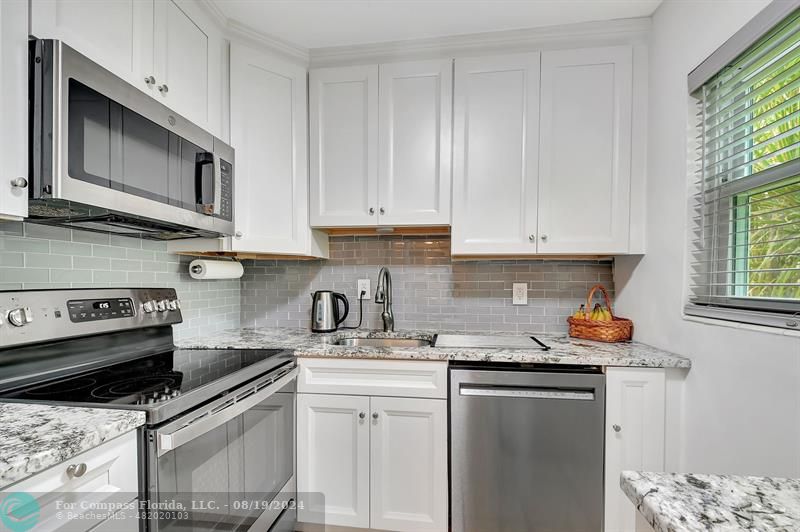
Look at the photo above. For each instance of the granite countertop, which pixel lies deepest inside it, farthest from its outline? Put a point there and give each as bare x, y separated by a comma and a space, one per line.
563, 350
678, 502
34, 437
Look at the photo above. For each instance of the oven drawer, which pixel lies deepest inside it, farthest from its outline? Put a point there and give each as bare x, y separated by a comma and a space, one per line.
85, 484
391, 378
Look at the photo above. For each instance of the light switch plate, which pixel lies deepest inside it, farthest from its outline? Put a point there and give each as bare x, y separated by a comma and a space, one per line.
520, 293
363, 285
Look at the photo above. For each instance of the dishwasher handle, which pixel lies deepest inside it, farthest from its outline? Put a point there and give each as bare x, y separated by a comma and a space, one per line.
527, 392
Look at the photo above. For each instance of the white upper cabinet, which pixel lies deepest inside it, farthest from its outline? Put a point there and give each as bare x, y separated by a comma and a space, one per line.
585, 151
180, 62
166, 48
344, 146
269, 134
13, 109
117, 35
380, 144
495, 162
414, 143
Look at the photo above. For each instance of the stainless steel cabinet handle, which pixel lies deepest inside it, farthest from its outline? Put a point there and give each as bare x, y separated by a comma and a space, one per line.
163, 88
371, 211
150, 80
76, 470
19, 182
532, 238
544, 238
616, 428
375, 415
382, 210
362, 415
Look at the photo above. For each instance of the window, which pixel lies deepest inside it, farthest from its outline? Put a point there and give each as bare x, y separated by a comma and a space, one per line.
745, 238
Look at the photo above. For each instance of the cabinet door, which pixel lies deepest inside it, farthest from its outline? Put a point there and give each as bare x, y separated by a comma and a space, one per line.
117, 35
409, 464
495, 158
635, 413
333, 458
414, 143
268, 131
585, 164
14, 108
344, 146
181, 59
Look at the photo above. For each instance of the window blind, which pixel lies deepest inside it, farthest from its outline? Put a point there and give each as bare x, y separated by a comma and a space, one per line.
745, 203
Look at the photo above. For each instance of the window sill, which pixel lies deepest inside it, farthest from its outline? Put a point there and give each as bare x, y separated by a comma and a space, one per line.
719, 322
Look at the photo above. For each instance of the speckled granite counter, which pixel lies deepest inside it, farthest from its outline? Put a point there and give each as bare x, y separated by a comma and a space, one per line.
34, 437
678, 502
563, 350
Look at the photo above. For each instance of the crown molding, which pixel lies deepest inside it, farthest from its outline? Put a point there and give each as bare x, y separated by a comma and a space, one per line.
568, 35
234, 29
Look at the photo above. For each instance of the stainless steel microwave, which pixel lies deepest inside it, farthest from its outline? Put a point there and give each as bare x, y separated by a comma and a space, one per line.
106, 157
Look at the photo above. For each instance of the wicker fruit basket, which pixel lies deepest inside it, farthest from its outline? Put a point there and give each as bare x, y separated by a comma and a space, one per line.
616, 330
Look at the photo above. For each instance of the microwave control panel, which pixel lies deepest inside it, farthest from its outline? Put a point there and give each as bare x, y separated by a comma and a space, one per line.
226, 191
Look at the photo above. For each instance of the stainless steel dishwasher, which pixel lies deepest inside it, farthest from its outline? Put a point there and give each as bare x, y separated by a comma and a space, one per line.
526, 448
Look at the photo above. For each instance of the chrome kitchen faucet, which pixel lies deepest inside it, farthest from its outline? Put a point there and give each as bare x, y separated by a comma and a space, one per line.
383, 294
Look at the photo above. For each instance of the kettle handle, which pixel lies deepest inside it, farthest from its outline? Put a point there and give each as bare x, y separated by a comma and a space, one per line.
343, 299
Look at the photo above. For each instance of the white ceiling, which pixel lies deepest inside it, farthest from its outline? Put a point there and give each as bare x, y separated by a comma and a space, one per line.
323, 23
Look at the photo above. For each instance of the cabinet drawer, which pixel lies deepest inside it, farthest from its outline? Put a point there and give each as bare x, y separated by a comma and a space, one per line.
391, 378
105, 475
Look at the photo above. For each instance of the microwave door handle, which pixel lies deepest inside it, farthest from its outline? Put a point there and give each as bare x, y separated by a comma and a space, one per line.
217, 208
169, 441
206, 199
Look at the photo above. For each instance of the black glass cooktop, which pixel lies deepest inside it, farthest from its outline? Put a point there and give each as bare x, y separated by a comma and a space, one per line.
145, 381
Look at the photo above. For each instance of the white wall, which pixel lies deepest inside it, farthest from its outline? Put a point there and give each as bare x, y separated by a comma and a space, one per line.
742, 395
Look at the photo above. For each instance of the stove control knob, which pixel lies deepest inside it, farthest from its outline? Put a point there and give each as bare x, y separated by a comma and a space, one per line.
175, 393
20, 317
149, 306
177, 304
172, 305
162, 305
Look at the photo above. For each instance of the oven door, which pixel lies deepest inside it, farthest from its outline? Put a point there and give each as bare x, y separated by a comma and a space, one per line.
229, 465
100, 142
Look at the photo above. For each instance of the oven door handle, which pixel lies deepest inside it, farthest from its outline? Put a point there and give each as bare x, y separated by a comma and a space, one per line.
166, 442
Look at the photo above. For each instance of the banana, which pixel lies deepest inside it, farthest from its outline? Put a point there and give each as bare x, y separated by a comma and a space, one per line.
580, 314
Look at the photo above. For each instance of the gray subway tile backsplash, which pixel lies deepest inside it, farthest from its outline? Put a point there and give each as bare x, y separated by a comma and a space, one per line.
431, 291
34, 256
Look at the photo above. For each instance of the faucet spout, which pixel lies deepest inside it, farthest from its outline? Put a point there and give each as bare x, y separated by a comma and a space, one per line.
383, 295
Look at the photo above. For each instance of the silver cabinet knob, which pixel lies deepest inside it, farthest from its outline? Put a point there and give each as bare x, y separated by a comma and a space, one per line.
361, 415
163, 88
382, 210
616, 428
20, 317
150, 80
544, 238
375, 416
76, 470
371, 211
238, 234
532, 237
19, 182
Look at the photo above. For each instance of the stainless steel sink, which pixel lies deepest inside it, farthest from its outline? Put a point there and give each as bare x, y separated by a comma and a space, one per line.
383, 342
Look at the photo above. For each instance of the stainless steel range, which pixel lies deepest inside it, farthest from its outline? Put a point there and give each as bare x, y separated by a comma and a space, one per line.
220, 423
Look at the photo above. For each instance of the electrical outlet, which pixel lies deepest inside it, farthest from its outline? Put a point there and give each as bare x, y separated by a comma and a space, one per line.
363, 286
520, 293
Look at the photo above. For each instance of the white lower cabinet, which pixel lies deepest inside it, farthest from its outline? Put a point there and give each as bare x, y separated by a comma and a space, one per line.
635, 415
333, 459
379, 461
108, 474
